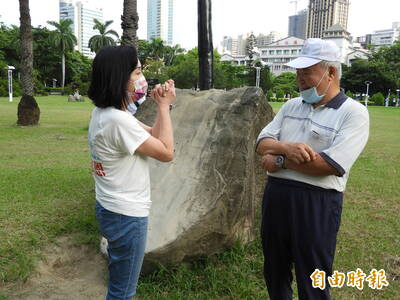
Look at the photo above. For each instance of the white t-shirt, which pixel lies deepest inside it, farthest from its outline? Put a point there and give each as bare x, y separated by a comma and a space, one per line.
121, 175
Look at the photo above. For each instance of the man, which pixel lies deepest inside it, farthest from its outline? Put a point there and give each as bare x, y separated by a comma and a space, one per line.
308, 150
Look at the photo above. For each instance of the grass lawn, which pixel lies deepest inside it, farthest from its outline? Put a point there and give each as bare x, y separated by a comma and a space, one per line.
47, 191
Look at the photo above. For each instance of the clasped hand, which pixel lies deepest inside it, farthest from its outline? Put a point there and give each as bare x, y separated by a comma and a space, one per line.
164, 94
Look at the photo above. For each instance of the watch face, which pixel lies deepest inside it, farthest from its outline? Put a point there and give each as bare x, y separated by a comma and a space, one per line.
279, 161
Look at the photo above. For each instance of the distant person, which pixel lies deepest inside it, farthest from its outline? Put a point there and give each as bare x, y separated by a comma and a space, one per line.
308, 150
120, 146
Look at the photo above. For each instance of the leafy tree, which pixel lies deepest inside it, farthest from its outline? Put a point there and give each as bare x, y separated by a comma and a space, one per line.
46, 60
229, 76
286, 82
185, 70
103, 39
28, 109
10, 45
270, 95
130, 20
279, 93
250, 45
64, 40
78, 70
156, 69
156, 48
171, 53
378, 99
362, 70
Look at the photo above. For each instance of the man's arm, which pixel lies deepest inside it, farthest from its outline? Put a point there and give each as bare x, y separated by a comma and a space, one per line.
316, 167
297, 152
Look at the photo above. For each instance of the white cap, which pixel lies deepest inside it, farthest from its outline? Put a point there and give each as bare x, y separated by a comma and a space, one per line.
314, 51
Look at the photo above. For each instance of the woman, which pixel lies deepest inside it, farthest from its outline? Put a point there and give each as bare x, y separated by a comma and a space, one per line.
120, 146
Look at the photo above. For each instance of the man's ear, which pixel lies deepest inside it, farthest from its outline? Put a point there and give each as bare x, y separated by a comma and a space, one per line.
332, 72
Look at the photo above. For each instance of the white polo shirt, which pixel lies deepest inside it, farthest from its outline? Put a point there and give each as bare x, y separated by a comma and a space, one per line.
338, 131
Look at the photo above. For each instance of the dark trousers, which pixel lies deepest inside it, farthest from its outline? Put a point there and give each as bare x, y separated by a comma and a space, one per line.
299, 227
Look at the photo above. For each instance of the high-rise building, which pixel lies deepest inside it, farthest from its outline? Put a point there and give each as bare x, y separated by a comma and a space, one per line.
322, 14
82, 15
160, 20
264, 40
298, 24
230, 45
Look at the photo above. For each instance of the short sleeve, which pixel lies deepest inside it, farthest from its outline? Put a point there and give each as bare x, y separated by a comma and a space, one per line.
273, 129
130, 135
349, 142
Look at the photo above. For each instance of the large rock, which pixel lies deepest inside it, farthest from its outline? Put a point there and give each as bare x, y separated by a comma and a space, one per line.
204, 201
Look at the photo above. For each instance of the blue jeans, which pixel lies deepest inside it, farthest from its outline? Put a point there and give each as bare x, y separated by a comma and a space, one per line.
126, 238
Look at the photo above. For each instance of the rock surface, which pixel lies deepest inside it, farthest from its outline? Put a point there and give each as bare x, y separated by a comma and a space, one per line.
204, 201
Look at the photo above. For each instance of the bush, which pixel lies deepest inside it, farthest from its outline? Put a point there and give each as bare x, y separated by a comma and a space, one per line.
378, 99
17, 91
270, 95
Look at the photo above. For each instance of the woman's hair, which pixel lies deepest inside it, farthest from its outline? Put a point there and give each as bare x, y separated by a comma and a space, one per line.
111, 71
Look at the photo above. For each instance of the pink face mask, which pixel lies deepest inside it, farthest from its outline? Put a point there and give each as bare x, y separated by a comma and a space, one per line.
140, 89
138, 96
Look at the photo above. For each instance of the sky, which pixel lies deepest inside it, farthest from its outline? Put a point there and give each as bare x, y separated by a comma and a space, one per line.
229, 17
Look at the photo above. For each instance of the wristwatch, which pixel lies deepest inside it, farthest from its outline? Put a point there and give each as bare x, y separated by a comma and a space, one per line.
280, 161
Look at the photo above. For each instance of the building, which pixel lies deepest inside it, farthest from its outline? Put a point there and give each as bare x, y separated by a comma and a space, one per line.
264, 40
239, 60
82, 14
279, 53
322, 14
298, 24
341, 37
364, 41
349, 50
386, 37
160, 20
230, 45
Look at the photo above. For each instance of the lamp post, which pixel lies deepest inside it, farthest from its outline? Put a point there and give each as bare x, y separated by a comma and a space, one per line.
367, 96
258, 71
10, 87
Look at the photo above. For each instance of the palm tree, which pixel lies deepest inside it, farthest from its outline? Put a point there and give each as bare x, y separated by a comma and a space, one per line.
171, 53
157, 49
206, 55
101, 40
28, 109
130, 20
64, 40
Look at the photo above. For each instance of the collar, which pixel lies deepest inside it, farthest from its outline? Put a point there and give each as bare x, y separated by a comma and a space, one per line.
336, 101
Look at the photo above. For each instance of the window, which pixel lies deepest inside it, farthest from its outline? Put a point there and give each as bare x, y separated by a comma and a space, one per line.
278, 52
271, 52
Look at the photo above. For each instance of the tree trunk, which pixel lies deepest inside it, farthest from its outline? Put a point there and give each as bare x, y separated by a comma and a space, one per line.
205, 44
63, 71
28, 109
129, 25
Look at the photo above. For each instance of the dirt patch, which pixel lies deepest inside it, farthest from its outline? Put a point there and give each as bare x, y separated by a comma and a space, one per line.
68, 271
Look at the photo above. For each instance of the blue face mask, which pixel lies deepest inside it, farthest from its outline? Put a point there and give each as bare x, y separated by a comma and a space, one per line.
311, 95
133, 106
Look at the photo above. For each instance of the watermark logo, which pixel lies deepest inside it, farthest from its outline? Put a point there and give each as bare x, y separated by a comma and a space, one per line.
376, 279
